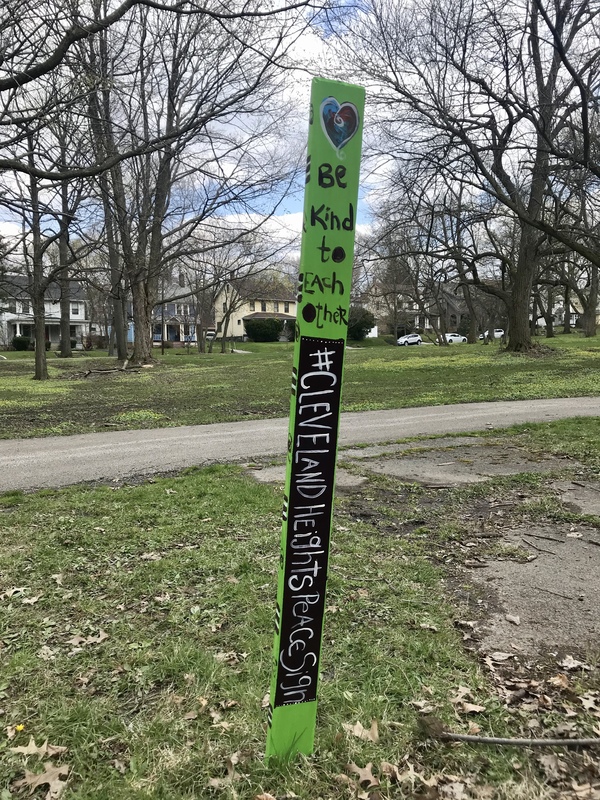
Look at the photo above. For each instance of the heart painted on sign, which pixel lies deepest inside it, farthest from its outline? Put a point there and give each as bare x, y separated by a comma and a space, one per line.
339, 121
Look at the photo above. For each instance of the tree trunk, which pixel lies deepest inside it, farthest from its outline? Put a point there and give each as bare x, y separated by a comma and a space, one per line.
549, 315
63, 260
38, 284
39, 323
535, 302
142, 314
519, 334
567, 313
588, 318
65, 309
116, 275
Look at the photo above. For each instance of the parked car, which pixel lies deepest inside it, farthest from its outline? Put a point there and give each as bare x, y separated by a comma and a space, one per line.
410, 338
455, 338
498, 334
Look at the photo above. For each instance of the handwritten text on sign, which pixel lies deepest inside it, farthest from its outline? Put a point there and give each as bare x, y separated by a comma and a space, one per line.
317, 385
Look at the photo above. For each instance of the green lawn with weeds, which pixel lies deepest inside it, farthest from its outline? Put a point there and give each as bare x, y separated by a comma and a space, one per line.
136, 633
88, 393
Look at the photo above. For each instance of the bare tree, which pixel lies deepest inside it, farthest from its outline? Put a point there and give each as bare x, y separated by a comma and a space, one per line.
488, 92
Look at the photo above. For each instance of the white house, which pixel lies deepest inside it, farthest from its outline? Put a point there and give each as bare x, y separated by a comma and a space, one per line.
16, 316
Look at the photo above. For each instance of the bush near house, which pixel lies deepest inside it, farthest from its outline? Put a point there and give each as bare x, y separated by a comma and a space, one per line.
21, 342
264, 330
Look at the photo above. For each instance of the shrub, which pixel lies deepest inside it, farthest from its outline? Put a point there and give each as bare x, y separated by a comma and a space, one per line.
264, 330
21, 342
360, 322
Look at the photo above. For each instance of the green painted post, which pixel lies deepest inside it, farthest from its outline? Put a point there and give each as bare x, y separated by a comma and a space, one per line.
331, 194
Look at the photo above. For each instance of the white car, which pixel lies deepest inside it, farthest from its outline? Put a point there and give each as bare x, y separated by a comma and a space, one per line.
498, 334
410, 338
455, 338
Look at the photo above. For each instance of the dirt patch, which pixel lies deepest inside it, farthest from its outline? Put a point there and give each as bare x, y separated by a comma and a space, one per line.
529, 553
554, 594
461, 464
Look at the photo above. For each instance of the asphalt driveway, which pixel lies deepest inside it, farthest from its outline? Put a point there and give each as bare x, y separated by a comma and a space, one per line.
64, 460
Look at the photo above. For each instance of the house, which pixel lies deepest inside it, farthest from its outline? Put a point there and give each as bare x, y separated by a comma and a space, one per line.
175, 322
236, 302
16, 313
250, 299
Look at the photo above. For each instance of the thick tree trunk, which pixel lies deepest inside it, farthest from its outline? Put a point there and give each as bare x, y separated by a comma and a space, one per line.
142, 314
116, 276
519, 333
472, 335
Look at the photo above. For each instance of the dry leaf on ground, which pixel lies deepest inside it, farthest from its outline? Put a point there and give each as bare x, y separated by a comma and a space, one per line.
470, 708
230, 764
569, 662
54, 777
365, 774
77, 640
368, 735
45, 750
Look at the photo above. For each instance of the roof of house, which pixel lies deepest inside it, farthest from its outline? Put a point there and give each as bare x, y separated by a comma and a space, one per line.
18, 287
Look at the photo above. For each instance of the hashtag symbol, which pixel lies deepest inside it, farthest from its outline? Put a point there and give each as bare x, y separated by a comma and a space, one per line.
323, 361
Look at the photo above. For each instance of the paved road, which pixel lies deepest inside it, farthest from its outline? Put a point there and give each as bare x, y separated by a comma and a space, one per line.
64, 460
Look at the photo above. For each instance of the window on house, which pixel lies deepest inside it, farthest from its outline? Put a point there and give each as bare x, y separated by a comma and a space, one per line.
224, 307
252, 305
263, 305
12, 306
276, 306
182, 279
286, 308
182, 309
74, 309
239, 321
25, 307
186, 330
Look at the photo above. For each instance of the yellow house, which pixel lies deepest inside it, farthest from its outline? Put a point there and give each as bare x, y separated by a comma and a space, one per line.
252, 300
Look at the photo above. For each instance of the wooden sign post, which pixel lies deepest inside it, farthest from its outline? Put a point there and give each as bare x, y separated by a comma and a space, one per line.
331, 194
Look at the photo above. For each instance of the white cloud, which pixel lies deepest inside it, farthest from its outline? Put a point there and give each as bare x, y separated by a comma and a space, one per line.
8, 229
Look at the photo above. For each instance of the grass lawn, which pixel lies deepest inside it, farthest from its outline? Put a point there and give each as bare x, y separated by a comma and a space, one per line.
136, 620
182, 389
136, 632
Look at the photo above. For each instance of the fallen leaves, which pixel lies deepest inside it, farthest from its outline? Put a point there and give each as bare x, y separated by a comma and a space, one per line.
365, 774
44, 750
82, 641
368, 735
570, 663
365, 784
462, 704
227, 782
54, 777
